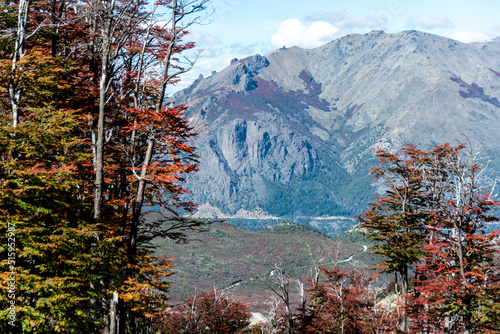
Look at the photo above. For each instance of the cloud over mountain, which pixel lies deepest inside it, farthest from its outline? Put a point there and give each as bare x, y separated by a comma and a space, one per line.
469, 36
428, 22
293, 32
347, 20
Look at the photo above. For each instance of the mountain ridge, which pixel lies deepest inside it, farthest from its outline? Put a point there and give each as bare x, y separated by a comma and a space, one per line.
294, 132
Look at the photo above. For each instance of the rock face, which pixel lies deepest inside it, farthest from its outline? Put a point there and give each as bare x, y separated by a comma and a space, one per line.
294, 132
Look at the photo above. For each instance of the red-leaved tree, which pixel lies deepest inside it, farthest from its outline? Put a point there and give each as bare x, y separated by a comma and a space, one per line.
345, 302
211, 312
432, 221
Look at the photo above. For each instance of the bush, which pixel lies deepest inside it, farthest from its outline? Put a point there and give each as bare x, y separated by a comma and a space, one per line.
209, 312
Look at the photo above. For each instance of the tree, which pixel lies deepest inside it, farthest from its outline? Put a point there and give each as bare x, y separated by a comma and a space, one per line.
14, 90
432, 218
147, 151
30, 74
113, 23
459, 278
47, 221
343, 304
138, 142
209, 312
279, 283
397, 221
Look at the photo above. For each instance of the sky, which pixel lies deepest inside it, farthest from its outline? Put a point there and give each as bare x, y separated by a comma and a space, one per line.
242, 28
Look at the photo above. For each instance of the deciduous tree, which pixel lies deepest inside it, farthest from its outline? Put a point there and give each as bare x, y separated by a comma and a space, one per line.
42, 201
432, 218
209, 312
397, 221
459, 280
120, 113
343, 303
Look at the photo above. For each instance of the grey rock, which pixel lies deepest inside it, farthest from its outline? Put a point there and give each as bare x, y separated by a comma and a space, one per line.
295, 131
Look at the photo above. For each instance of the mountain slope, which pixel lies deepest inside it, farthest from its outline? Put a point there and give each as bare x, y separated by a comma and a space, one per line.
294, 132
237, 260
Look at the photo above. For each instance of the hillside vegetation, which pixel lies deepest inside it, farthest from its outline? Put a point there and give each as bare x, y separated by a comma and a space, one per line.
235, 259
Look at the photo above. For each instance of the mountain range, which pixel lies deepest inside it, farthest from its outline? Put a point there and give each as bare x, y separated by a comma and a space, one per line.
293, 133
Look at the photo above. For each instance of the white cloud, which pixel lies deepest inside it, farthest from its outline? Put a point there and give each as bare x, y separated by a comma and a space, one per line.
346, 19
203, 40
292, 32
494, 31
469, 36
427, 22
240, 49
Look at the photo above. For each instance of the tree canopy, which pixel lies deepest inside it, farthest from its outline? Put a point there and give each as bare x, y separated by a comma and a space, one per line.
431, 220
89, 138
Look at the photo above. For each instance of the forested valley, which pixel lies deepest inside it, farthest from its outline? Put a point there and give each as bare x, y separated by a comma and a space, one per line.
90, 141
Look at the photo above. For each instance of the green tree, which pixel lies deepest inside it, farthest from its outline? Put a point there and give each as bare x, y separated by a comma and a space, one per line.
46, 221
397, 221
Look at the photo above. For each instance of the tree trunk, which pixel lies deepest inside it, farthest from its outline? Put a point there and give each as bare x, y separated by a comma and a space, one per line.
103, 86
460, 250
289, 318
14, 90
404, 292
139, 198
137, 207
342, 318
114, 321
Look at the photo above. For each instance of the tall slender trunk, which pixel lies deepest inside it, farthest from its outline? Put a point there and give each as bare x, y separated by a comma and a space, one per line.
460, 249
56, 15
460, 252
114, 315
342, 316
141, 187
110, 319
103, 86
14, 90
99, 151
132, 249
404, 294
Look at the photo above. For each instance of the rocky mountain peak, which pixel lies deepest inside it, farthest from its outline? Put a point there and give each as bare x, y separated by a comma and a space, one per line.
295, 130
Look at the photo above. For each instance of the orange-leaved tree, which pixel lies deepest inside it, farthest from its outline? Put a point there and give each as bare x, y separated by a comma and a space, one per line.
345, 302
396, 220
141, 145
100, 72
459, 280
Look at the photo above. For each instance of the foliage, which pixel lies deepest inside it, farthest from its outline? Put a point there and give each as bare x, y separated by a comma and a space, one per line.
209, 312
344, 302
41, 202
433, 216
74, 75
285, 201
444, 300
396, 221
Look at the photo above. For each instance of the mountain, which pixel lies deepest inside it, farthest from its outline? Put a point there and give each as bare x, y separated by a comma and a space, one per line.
293, 133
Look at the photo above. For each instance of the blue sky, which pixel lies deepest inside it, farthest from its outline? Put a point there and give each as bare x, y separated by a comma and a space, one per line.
241, 28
